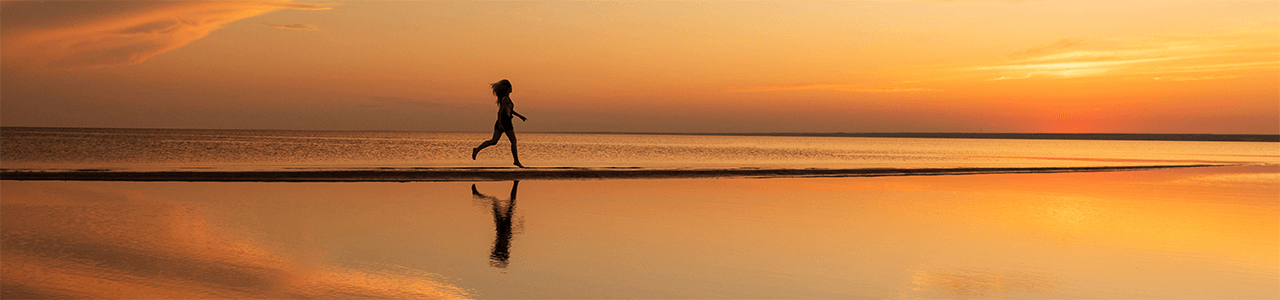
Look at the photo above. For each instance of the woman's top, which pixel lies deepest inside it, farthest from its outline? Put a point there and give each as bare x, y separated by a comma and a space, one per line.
505, 107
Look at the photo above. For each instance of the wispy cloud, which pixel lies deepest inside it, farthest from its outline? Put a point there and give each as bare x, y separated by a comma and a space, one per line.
830, 87
1222, 67
1197, 78
91, 34
1207, 53
1060, 44
402, 102
294, 26
1064, 69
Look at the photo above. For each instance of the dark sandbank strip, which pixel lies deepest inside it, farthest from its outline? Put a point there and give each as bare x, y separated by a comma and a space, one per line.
496, 174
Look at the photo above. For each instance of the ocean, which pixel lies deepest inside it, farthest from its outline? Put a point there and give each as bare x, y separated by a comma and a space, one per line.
53, 149
482, 229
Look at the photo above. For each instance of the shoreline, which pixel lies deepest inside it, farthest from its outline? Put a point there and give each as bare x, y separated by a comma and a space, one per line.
546, 173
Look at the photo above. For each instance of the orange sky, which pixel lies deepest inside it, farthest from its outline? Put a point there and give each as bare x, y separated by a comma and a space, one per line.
1164, 66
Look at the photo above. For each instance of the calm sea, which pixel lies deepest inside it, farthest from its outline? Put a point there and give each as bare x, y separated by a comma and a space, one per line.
182, 149
1187, 233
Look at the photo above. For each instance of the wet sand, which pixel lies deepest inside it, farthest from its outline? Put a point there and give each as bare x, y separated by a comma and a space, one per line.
1169, 233
536, 173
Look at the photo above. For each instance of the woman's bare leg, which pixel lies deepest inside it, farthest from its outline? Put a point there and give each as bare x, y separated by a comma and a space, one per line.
493, 141
511, 135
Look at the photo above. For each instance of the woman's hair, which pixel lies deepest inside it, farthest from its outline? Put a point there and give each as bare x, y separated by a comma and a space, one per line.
502, 88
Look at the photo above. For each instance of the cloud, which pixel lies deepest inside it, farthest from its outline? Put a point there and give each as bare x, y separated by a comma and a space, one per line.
92, 34
829, 87
1204, 53
1065, 69
294, 26
1197, 78
402, 103
1060, 44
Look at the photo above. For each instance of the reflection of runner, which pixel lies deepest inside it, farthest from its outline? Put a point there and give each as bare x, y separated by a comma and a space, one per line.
506, 109
501, 254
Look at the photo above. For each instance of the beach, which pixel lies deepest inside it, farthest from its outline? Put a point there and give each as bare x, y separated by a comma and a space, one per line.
290, 149
1168, 233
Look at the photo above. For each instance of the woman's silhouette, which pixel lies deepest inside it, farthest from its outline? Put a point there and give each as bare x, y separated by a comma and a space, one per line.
506, 109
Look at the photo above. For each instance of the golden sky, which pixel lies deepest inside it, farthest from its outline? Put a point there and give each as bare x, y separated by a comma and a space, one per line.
1166, 66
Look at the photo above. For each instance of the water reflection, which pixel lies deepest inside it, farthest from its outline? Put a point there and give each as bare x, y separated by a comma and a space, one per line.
979, 282
500, 256
67, 242
1184, 233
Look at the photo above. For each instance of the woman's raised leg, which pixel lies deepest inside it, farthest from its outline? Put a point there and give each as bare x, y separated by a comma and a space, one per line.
493, 141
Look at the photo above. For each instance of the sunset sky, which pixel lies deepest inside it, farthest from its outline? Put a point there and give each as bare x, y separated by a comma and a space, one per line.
1161, 66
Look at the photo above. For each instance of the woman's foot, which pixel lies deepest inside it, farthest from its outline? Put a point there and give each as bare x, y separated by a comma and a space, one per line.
474, 151
518, 164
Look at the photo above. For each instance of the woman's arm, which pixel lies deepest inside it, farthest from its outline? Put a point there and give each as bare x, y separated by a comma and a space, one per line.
522, 118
